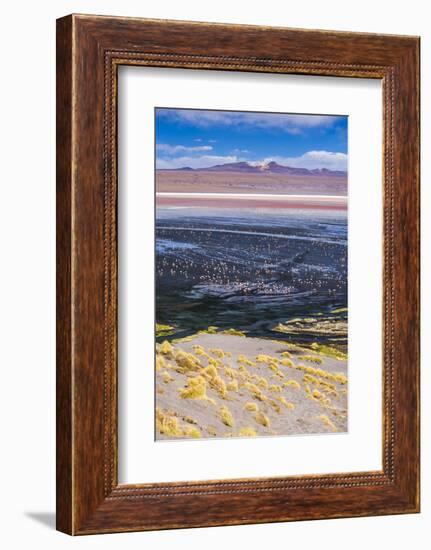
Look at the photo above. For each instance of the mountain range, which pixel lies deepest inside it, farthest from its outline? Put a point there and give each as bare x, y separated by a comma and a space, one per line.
270, 167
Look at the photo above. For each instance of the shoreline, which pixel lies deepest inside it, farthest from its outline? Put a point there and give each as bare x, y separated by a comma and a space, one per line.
328, 328
252, 200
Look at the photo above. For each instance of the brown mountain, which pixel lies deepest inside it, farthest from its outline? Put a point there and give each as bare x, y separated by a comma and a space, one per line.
269, 168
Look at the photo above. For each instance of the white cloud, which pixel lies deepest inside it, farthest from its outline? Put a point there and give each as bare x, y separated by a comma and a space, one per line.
314, 159
289, 123
236, 150
310, 160
174, 149
194, 162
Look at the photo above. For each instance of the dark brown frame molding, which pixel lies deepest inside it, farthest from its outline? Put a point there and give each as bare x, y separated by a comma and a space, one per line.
89, 51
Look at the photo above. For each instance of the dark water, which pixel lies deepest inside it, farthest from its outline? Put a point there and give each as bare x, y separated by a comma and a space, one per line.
249, 269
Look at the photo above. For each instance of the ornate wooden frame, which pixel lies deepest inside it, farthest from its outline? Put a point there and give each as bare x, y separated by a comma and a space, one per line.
89, 51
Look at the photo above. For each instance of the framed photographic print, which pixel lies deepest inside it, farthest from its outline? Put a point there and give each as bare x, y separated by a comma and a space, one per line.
248, 251
237, 274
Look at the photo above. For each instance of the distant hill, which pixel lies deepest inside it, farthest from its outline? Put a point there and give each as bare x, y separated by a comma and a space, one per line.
269, 168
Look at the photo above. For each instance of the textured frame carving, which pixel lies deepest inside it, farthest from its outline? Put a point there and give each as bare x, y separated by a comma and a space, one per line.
112, 61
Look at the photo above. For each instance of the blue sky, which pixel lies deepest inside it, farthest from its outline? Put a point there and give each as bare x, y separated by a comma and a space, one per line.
198, 138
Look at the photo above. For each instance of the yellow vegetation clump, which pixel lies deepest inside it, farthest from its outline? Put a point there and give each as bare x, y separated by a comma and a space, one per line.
252, 407
316, 394
210, 371
216, 382
286, 354
312, 373
339, 377
311, 359
322, 373
281, 328
275, 388
231, 373
209, 330
274, 405
191, 431
255, 391
247, 432
187, 362
211, 360
243, 359
185, 339
166, 349
167, 377
217, 352
323, 418
262, 419
167, 424
226, 417
196, 389
233, 332
328, 387
329, 351
263, 382
219, 385
244, 371
311, 370
286, 403
300, 367
292, 384
160, 362
287, 362
164, 330
232, 385
266, 359
273, 367
309, 379
316, 372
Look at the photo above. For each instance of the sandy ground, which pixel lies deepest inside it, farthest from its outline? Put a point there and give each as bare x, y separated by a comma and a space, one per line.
178, 181
250, 390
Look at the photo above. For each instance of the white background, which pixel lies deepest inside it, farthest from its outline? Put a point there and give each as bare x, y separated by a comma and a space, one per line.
27, 122
141, 458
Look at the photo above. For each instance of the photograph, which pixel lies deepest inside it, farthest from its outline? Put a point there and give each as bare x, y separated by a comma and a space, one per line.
251, 273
